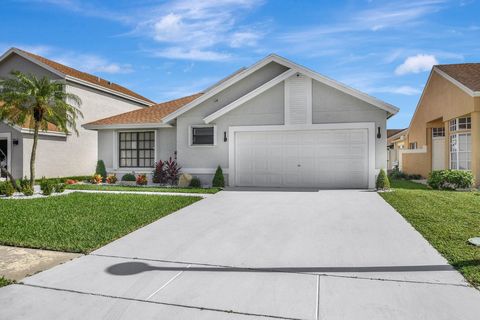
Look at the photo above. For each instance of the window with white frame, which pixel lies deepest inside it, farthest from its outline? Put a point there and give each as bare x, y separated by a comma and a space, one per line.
463, 123
137, 149
460, 151
438, 132
202, 135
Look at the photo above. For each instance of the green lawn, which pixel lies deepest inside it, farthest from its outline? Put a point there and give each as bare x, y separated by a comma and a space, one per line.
81, 222
445, 218
140, 188
4, 282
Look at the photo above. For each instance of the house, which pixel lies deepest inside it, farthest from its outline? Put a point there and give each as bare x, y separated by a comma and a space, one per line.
274, 124
395, 143
444, 132
60, 154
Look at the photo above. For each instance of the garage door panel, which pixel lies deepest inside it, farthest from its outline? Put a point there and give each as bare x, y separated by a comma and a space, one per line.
313, 158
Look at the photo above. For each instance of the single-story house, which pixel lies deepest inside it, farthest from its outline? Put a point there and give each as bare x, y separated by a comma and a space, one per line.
395, 142
274, 124
60, 154
444, 132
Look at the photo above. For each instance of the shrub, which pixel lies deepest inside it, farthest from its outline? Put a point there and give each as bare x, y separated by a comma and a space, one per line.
23, 183
96, 179
71, 181
27, 190
100, 170
382, 181
218, 179
414, 177
160, 173
195, 183
450, 179
142, 180
112, 179
129, 177
172, 171
59, 187
7, 189
397, 174
46, 186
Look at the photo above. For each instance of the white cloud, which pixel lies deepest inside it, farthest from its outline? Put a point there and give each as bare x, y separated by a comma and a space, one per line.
416, 64
244, 38
403, 90
190, 54
91, 63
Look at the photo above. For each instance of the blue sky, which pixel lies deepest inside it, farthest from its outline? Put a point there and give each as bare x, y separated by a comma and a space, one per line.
168, 49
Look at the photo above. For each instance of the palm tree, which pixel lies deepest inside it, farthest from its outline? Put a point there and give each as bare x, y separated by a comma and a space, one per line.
38, 102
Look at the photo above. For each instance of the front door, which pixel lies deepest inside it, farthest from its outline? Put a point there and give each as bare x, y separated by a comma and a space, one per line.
438, 153
4, 154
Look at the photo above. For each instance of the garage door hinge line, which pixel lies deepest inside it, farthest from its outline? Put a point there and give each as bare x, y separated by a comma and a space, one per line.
168, 282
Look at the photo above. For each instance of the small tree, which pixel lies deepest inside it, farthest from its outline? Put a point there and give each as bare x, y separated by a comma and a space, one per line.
101, 169
38, 102
382, 181
218, 178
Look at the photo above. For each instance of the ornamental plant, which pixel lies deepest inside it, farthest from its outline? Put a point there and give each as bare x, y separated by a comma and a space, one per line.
142, 180
96, 179
218, 179
71, 181
450, 179
27, 190
195, 183
8, 189
101, 169
160, 173
382, 181
129, 177
172, 170
46, 186
112, 179
58, 187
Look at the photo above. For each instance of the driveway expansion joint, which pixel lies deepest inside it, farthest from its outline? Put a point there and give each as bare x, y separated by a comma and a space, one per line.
160, 302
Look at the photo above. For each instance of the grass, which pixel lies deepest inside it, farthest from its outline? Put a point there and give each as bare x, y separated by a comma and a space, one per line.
81, 222
5, 282
140, 188
447, 219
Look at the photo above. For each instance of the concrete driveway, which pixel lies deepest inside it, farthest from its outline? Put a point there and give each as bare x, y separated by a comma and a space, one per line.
257, 254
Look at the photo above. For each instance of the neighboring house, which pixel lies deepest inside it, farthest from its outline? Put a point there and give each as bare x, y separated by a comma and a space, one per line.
59, 154
395, 142
274, 124
445, 128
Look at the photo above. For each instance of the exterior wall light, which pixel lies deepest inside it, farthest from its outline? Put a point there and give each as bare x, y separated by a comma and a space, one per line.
379, 135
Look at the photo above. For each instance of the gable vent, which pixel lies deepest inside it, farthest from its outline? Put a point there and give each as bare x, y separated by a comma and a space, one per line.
298, 99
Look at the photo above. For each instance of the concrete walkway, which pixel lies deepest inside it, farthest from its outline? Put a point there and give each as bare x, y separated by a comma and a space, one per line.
252, 255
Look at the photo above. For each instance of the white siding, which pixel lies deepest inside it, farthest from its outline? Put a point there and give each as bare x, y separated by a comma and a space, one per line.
298, 100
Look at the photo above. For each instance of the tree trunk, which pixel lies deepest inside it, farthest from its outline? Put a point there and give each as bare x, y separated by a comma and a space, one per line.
9, 175
34, 153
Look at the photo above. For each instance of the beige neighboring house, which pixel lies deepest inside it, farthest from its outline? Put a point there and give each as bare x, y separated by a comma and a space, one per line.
59, 154
444, 132
274, 124
395, 143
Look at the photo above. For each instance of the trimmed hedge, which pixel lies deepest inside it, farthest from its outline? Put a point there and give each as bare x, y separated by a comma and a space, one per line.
129, 177
450, 179
218, 178
101, 169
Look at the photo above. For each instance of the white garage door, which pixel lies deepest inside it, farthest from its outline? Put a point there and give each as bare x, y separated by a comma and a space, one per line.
314, 158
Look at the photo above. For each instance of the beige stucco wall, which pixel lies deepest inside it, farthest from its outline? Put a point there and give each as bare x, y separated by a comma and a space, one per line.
441, 101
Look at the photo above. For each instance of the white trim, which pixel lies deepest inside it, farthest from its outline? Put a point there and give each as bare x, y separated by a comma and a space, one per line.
8, 136
142, 126
70, 78
45, 133
252, 94
370, 126
190, 135
457, 83
275, 58
203, 170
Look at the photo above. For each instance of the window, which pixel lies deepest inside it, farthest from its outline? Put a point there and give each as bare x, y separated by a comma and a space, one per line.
202, 136
460, 151
464, 123
438, 132
412, 145
137, 149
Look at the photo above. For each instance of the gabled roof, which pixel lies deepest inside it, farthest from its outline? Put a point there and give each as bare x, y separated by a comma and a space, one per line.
79, 76
391, 132
280, 60
150, 115
464, 75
